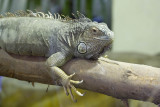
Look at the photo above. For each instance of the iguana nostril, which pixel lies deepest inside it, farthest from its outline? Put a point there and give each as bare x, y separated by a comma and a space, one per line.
110, 34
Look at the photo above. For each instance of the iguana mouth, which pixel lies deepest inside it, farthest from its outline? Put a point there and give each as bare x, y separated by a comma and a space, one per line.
106, 48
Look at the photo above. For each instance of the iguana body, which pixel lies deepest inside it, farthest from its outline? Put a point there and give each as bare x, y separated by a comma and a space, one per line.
29, 36
56, 38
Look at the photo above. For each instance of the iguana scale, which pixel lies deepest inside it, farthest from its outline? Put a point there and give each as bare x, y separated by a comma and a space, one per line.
55, 37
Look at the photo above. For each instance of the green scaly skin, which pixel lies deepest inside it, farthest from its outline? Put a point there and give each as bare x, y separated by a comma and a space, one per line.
57, 38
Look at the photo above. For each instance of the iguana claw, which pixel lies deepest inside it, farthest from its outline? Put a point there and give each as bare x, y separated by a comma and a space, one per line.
67, 83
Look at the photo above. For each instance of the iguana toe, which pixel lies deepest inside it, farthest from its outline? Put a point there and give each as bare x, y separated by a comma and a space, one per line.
67, 83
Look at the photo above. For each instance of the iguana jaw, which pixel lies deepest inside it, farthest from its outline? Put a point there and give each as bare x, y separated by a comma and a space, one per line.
104, 49
102, 38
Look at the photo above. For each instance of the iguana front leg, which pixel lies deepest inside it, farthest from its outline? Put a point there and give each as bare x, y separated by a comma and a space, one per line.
54, 62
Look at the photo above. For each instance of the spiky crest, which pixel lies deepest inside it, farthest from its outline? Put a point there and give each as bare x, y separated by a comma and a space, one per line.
79, 17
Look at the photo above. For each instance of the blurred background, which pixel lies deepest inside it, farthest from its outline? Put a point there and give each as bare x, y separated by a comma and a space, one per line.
136, 26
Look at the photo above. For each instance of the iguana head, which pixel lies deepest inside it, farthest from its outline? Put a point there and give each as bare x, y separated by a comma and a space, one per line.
94, 40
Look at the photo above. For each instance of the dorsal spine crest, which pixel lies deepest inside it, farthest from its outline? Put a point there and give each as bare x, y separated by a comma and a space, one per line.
79, 17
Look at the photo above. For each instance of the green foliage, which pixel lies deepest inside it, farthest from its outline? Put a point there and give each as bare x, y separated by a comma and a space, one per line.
78, 5
67, 8
33, 4
89, 8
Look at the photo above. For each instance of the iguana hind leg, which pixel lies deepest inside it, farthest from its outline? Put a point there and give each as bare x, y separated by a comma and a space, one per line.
58, 59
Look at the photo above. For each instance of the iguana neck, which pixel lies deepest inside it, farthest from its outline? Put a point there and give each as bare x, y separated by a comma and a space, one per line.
72, 34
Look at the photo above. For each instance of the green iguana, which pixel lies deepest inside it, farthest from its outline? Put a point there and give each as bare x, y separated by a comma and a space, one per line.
55, 37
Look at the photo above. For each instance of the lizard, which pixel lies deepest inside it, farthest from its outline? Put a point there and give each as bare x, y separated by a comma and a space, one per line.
56, 37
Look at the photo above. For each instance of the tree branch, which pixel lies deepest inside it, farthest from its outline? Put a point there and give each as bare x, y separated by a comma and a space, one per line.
113, 78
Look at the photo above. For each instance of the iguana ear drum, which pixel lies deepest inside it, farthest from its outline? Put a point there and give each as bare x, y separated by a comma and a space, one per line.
82, 48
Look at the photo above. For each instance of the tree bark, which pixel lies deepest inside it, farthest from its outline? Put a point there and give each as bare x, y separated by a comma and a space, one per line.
118, 79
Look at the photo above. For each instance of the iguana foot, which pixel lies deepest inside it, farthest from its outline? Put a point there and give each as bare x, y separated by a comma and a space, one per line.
66, 82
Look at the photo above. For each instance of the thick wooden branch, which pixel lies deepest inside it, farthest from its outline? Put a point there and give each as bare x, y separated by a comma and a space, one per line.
117, 79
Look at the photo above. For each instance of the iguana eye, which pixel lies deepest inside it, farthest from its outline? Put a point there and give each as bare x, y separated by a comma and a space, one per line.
94, 30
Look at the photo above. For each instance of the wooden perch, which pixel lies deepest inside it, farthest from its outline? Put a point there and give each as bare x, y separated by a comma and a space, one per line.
113, 78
